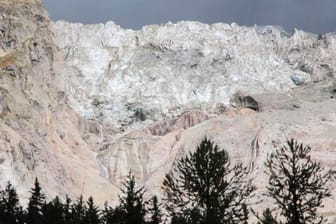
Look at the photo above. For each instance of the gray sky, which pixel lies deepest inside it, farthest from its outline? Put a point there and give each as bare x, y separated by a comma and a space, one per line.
317, 16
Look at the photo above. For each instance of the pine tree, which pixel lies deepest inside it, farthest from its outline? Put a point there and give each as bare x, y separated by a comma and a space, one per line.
132, 202
178, 219
156, 216
78, 211
53, 212
119, 216
297, 184
10, 209
113, 216
189, 216
107, 214
36, 202
267, 218
67, 210
91, 213
204, 187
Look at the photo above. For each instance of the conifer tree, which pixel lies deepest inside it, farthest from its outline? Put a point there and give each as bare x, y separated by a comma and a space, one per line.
203, 187
67, 210
267, 217
107, 214
36, 202
178, 219
92, 213
10, 209
53, 212
156, 216
188, 216
78, 211
119, 216
297, 183
131, 202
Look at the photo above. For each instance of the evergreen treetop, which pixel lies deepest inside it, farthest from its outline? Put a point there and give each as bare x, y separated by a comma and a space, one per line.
297, 183
205, 184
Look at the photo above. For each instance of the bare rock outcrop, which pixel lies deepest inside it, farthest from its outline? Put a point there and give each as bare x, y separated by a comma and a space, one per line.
39, 133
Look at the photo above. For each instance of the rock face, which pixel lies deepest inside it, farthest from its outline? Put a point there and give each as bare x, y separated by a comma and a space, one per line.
39, 133
81, 105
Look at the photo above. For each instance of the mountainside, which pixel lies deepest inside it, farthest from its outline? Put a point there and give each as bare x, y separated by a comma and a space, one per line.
40, 133
163, 71
81, 105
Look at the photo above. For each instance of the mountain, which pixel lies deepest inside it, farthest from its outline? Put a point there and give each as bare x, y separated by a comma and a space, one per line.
40, 133
81, 105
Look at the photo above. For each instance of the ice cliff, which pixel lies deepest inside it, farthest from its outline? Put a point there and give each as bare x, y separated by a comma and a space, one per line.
162, 71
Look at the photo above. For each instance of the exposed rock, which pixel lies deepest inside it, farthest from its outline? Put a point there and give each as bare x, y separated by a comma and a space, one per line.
300, 78
240, 100
183, 122
82, 105
33, 110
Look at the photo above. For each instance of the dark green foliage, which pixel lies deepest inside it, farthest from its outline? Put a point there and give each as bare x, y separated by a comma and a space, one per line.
53, 212
178, 219
188, 216
132, 203
107, 214
156, 216
245, 214
78, 212
267, 218
119, 216
297, 184
130, 211
92, 213
204, 187
36, 202
10, 209
67, 211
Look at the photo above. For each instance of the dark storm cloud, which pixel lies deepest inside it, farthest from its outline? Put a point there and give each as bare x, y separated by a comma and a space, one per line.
318, 16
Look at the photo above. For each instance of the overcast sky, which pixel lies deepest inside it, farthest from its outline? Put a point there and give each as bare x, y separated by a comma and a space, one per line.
317, 16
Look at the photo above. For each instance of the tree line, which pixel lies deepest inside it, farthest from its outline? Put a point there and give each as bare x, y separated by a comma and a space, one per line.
203, 187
